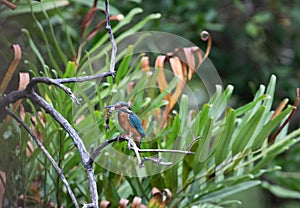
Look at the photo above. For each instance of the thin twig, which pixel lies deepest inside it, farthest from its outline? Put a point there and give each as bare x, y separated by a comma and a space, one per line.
85, 78
98, 151
193, 141
168, 151
111, 37
158, 161
44, 150
51, 81
132, 145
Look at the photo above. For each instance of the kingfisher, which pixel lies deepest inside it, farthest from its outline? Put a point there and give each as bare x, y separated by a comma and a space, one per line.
129, 121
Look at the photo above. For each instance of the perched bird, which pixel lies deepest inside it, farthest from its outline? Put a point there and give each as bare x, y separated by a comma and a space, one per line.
129, 121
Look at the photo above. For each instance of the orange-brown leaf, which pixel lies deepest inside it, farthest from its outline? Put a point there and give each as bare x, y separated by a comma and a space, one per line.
205, 36
145, 63
2, 186
159, 64
190, 61
88, 18
104, 204
279, 108
123, 203
157, 198
176, 67
168, 195
136, 203
24, 79
12, 67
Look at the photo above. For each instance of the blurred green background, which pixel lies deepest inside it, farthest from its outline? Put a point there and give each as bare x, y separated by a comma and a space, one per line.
252, 39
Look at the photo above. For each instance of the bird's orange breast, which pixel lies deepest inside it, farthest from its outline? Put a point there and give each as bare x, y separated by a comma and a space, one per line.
126, 125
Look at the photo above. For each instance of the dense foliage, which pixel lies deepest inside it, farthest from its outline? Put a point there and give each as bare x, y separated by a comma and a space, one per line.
232, 153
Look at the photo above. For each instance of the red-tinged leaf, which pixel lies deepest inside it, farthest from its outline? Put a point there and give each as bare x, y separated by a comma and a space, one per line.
205, 36
176, 67
184, 70
190, 59
136, 203
123, 203
104, 204
198, 52
100, 25
279, 108
10, 5
29, 149
22, 112
88, 18
168, 195
130, 86
95, 30
158, 196
12, 67
159, 64
296, 103
24, 80
2, 186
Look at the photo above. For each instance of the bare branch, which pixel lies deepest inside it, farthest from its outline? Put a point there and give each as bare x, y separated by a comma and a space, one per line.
13, 96
134, 147
188, 152
158, 161
137, 151
44, 150
111, 37
86, 78
34, 97
98, 151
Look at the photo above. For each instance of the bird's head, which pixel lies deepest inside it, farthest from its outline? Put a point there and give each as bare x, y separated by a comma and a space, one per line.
121, 106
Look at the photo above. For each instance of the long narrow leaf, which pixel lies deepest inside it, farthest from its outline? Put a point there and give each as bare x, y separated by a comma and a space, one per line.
223, 147
246, 131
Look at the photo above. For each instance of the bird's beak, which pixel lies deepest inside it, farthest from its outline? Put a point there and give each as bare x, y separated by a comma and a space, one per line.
112, 107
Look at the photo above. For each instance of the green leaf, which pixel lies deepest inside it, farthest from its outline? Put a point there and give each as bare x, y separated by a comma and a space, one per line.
34, 48
249, 106
228, 191
222, 149
262, 17
70, 69
246, 131
269, 127
111, 193
123, 69
59, 52
183, 112
45, 5
270, 92
269, 154
172, 178
206, 149
281, 192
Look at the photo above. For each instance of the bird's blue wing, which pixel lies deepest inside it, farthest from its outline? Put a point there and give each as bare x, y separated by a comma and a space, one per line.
136, 123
